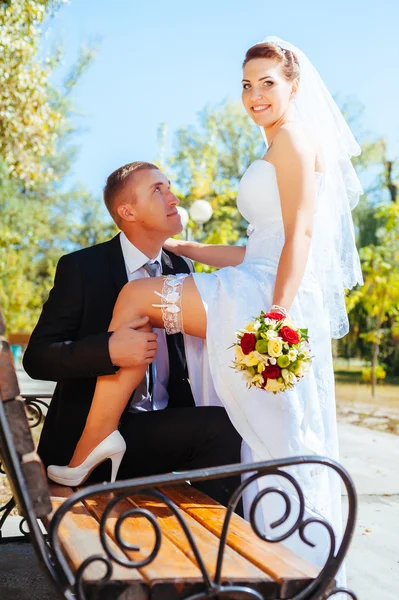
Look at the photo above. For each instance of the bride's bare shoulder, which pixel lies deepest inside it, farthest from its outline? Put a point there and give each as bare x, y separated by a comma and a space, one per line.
293, 135
291, 143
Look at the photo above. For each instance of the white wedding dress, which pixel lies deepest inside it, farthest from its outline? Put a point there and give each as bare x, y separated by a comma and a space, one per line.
295, 423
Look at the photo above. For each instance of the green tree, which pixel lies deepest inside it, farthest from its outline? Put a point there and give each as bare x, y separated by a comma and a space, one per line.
381, 176
379, 296
208, 162
39, 221
35, 230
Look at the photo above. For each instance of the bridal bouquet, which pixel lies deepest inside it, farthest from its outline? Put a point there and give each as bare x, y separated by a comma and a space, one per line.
271, 353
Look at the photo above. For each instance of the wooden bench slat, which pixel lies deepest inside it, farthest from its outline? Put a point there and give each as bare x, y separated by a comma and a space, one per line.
18, 338
169, 566
8, 378
80, 539
278, 561
235, 566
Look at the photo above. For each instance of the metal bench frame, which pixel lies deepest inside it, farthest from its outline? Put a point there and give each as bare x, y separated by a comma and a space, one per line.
70, 584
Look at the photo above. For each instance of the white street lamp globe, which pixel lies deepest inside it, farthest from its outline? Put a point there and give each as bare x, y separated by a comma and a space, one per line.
184, 216
201, 211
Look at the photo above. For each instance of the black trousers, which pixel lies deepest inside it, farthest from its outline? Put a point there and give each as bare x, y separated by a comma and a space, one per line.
180, 439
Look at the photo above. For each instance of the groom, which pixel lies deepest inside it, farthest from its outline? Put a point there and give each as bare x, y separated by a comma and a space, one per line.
163, 429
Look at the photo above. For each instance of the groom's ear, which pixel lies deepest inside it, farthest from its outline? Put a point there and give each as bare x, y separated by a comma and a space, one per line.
125, 212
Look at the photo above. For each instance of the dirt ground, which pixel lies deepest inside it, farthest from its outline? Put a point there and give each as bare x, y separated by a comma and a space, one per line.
355, 405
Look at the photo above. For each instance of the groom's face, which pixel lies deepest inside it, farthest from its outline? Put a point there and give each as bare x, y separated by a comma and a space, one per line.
154, 205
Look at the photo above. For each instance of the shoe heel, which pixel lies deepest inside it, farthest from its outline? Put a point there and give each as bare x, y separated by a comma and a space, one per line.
116, 460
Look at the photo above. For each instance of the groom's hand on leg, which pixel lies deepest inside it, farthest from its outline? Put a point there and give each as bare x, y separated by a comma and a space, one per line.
132, 344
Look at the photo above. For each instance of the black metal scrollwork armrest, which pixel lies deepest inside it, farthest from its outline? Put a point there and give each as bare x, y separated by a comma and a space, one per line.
320, 587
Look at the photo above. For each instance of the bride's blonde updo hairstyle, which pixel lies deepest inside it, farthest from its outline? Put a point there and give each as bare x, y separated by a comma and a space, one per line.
289, 61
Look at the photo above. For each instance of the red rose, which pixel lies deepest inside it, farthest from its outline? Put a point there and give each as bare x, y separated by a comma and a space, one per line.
289, 335
271, 372
248, 342
274, 315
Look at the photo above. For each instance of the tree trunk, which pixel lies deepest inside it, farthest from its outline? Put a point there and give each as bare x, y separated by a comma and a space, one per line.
392, 187
376, 348
374, 364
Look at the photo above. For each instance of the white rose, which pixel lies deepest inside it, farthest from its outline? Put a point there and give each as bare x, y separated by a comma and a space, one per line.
271, 334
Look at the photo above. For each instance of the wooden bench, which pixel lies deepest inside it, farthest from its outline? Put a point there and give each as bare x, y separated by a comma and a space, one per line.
18, 339
155, 538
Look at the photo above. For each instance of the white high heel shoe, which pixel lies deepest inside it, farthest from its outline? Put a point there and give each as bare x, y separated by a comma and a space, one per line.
113, 447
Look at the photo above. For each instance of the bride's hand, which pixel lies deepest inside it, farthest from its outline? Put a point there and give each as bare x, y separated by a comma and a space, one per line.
173, 245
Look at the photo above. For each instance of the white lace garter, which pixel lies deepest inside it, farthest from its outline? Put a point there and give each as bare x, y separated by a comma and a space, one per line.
171, 303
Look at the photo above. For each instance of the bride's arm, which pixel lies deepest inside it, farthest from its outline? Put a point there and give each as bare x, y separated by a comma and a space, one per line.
213, 255
294, 161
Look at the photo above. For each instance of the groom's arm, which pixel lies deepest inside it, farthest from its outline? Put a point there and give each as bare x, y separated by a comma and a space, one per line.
53, 352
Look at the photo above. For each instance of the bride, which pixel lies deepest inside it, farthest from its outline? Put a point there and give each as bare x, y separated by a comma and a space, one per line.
300, 257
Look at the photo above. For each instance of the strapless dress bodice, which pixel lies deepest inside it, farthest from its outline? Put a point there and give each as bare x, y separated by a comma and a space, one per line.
259, 203
258, 197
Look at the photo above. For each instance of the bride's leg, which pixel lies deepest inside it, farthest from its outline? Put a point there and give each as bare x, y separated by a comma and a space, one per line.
113, 391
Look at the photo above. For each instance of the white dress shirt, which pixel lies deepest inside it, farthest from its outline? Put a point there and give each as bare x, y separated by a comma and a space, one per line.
134, 261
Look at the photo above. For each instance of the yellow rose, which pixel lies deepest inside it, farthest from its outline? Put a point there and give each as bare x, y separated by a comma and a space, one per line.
274, 386
275, 347
250, 360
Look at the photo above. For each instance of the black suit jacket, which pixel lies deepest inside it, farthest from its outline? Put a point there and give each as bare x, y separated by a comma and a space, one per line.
69, 344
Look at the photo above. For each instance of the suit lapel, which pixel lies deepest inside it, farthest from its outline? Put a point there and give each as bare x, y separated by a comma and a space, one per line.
117, 263
172, 264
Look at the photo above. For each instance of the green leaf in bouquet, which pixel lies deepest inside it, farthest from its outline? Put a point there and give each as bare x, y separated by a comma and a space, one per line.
304, 334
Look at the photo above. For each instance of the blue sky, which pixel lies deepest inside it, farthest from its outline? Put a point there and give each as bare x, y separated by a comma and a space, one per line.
163, 61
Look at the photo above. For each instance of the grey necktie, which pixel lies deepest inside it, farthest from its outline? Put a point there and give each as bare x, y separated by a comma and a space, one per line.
153, 269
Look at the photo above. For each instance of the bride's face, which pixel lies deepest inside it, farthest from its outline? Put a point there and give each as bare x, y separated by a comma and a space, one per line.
266, 93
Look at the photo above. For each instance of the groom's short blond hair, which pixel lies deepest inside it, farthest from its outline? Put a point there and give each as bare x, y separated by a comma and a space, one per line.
116, 185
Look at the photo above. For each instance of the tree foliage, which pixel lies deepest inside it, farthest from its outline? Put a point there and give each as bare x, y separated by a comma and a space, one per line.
379, 296
39, 221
